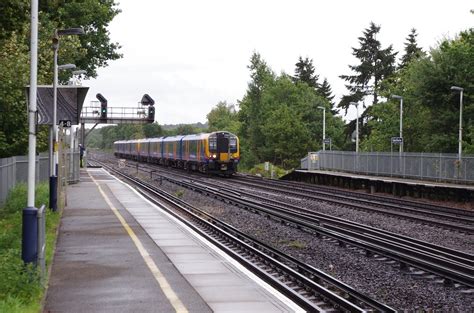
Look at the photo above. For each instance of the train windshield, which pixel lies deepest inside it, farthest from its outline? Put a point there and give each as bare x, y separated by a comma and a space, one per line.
222, 143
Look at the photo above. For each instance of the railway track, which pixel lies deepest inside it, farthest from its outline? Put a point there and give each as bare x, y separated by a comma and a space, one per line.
412, 255
307, 286
463, 223
451, 265
427, 208
422, 213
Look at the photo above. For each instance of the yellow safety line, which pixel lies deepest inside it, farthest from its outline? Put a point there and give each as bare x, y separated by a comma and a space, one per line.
165, 286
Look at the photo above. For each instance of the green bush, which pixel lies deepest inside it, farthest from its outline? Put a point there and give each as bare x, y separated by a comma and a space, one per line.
20, 288
259, 170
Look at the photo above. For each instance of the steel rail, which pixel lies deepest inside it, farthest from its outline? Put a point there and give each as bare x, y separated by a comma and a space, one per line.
417, 257
283, 263
362, 205
428, 207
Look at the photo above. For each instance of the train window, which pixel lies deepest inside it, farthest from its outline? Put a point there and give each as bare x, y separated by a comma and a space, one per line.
233, 144
212, 143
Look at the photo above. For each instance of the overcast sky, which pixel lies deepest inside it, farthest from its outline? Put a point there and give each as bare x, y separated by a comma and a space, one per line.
189, 55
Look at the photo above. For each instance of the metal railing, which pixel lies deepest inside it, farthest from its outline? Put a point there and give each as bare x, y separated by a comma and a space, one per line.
14, 170
41, 260
440, 167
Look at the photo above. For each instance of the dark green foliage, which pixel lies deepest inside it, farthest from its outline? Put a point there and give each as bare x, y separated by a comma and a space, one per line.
326, 92
412, 51
280, 118
88, 52
20, 289
375, 65
223, 117
305, 72
152, 130
431, 109
14, 15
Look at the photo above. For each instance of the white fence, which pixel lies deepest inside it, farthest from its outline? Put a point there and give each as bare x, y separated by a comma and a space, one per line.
422, 166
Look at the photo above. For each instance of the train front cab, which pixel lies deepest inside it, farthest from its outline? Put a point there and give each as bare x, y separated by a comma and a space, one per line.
223, 152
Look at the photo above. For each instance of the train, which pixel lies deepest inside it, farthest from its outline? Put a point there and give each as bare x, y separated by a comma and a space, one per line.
214, 153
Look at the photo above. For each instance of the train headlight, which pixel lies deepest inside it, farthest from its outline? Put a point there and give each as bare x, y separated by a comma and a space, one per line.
214, 156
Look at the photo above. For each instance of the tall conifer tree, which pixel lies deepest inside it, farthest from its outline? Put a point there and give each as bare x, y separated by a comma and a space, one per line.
375, 65
305, 72
412, 50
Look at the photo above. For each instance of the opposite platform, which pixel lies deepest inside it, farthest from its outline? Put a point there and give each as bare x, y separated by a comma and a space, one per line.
117, 252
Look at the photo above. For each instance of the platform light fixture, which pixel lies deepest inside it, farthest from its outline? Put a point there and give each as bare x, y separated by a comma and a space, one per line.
357, 125
461, 90
54, 129
324, 126
401, 121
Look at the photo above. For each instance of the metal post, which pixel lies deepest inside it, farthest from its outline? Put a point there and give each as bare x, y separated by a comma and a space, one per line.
53, 178
461, 90
324, 126
357, 129
401, 125
71, 155
41, 222
29, 225
460, 126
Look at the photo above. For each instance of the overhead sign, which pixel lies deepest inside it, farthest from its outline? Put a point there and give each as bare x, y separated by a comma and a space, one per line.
69, 103
65, 123
397, 140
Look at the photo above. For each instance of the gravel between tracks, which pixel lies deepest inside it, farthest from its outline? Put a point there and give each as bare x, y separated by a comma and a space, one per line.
443, 237
379, 279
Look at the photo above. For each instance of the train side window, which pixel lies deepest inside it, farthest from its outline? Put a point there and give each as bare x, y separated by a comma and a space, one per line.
212, 144
233, 144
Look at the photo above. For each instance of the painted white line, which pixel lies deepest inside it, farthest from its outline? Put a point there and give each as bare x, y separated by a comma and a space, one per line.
164, 285
290, 304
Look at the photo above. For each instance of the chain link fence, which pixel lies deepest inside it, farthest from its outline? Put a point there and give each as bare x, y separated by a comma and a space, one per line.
439, 167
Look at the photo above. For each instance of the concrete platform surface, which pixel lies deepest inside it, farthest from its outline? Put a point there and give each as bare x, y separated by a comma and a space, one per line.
117, 252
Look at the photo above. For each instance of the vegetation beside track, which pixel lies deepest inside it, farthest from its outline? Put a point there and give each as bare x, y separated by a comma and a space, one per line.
20, 287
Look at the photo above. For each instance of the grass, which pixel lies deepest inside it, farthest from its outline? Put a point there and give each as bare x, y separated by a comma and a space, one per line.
259, 169
296, 244
179, 193
20, 288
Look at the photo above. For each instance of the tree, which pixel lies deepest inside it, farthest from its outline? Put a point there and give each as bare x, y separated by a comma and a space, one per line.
431, 109
94, 16
375, 65
326, 92
412, 51
305, 72
223, 117
252, 109
286, 136
152, 130
88, 52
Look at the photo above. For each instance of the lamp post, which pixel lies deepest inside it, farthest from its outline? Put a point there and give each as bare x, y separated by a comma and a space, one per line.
324, 126
461, 90
357, 125
53, 130
29, 237
401, 121
76, 82
53, 150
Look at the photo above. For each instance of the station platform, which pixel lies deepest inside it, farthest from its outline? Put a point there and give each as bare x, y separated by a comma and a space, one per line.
394, 185
118, 252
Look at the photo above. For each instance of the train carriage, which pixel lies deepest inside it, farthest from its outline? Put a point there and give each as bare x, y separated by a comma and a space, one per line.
155, 150
171, 150
216, 152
